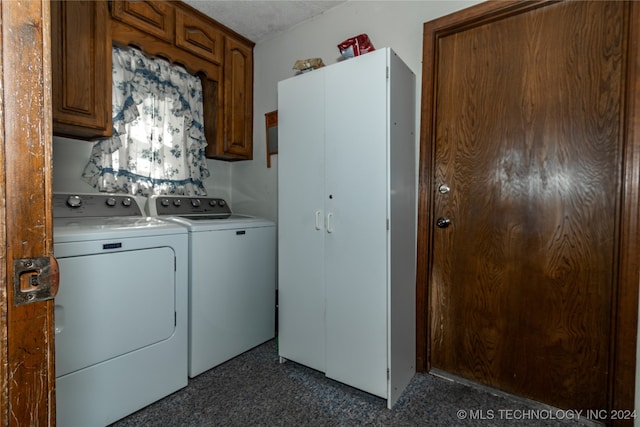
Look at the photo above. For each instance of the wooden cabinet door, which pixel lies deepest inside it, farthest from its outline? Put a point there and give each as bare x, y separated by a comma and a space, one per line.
81, 63
238, 101
152, 17
198, 36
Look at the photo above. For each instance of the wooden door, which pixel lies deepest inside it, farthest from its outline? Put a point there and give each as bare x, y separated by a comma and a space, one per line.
26, 331
531, 287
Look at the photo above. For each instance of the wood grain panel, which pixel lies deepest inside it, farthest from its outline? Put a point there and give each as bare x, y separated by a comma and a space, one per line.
125, 35
81, 64
28, 377
212, 108
238, 96
198, 37
528, 137
622, 387
153, 17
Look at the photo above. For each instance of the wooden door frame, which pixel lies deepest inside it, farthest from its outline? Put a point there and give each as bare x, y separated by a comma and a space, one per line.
26, 331
622, 368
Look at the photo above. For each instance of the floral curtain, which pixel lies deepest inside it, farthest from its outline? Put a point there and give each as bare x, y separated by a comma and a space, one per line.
158, 138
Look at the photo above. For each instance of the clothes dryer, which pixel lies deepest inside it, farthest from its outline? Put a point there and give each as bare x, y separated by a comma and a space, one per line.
121, 309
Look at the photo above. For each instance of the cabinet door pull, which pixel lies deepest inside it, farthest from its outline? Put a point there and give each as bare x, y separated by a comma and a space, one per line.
318, 220
329, 226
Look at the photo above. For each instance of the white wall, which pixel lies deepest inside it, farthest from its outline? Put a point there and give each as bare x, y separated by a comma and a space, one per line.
69, 159
395, 24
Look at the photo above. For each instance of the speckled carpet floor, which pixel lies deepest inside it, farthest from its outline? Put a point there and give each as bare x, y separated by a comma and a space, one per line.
254, 389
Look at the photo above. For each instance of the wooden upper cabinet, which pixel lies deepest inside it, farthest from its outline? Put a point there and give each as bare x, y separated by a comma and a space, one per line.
82, 36
81, 69
238, 101
152, 17
198, 36
222, 58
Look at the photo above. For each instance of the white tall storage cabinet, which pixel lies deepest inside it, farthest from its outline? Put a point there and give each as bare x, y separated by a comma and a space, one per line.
347, 222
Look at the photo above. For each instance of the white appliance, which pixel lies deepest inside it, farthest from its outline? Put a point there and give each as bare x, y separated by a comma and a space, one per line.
347, 222
121, 310
231, 277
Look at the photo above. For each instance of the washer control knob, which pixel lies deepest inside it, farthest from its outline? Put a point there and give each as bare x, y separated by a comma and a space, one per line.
74, 201
212, 202
164, 202
126, 201
111, 201
177, 202
221, 202
195, 202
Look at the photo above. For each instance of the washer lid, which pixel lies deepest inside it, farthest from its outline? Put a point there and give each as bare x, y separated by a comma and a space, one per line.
200, 223
101, 228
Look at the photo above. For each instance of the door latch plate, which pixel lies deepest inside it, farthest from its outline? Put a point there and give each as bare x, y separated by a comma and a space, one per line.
35, 279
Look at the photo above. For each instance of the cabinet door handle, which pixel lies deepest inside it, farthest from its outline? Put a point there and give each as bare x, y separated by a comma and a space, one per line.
318, 220
329, 226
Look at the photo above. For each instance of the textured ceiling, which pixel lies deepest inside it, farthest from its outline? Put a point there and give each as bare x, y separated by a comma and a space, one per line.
259, 20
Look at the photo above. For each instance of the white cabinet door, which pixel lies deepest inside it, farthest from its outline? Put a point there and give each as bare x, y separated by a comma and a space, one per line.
301, 228
356, 203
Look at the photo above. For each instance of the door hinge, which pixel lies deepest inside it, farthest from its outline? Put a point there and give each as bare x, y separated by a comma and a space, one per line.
388, 72
35, 279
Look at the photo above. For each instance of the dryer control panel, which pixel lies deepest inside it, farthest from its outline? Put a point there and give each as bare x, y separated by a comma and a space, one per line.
94, 205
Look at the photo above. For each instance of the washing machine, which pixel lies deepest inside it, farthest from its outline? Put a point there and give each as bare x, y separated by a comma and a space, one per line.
121, 310
232, 277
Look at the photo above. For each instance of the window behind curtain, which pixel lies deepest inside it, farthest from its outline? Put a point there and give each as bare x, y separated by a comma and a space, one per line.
158, 138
